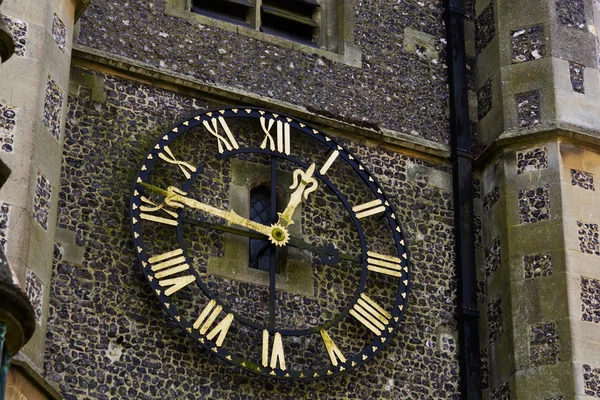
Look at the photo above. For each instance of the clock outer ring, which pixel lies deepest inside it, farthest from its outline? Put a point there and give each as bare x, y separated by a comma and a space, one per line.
370, 350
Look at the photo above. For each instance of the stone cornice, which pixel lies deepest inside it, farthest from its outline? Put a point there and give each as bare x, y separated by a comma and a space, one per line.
91, 58
512, 138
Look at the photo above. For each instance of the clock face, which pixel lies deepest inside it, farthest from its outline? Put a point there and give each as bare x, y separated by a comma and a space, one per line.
269, 243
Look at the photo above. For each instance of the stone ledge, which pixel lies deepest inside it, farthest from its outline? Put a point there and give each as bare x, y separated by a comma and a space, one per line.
121, 66
512, 137
24, 365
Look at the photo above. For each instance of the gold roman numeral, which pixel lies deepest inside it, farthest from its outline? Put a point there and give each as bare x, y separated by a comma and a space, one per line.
329, 162
332, 350
384, 264
276, 353
370, 314
370, 208
186, 168
148, 213
283, 135
168, 264
206, 319
229, 142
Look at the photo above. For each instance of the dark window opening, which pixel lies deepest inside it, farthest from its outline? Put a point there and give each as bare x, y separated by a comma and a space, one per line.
234, 11
290, 19
260, 211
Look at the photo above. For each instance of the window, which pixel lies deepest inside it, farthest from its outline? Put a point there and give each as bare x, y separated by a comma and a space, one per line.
296, 20
260, 211
321, 27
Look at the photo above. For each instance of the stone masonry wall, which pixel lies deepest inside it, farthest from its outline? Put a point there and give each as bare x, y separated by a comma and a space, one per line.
401, 84
107, 336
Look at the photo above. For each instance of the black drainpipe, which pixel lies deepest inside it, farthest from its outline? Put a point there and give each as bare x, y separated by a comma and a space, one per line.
462, 160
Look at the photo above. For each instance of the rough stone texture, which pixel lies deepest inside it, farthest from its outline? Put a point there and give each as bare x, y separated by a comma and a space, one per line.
537, 265
490, 199
4, 209
576, 72
52, 107
544, 345
501, 392
588, 238
527, 44
590, 300
477, 229
59, 32
481, 292
41, 200
485, 27
470, 65
534, 205
571, 13
495, 319
555, 398
591, 379
34, 290
492, 257
531, 160
393, 89
484, 99
8, 120
476, 188
107, 336
18, 29
485, 369
582, 179
528, 109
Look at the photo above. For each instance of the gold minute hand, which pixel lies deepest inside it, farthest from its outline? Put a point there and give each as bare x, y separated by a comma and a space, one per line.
304, 183
176, 198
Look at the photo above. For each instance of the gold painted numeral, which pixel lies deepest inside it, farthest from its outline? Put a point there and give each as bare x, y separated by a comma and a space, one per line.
229, 142
370, 314
370, 208
168, 263
148, 210
329, 162
332, 350
206, 319
385, 264
276, 353
186, 168
283, 135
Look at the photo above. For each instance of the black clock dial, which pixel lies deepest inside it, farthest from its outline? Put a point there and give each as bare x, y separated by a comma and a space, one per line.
269, 243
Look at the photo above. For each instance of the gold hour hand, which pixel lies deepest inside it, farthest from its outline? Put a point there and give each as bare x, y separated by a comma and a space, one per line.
175, 197
304, 183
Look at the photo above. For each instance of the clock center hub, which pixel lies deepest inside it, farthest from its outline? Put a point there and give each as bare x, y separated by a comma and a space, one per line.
279, 235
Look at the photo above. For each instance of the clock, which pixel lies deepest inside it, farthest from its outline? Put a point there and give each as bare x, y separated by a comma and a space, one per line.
269, 243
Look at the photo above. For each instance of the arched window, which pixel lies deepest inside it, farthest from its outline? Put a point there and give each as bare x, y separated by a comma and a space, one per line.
260, 211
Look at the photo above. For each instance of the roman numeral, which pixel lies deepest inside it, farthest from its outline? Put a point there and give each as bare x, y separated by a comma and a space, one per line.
370, 314
206, 319
186, 168
329, 162
370, 208
153, 208
283, 135
168, 264
332, 350
276, 353
385, 264
229, 142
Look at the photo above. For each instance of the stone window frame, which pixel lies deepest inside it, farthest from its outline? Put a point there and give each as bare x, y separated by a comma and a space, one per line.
296, 276
341, 49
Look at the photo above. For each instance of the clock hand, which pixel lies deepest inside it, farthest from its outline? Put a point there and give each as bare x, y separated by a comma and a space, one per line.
278, 235
329, 255
304, 186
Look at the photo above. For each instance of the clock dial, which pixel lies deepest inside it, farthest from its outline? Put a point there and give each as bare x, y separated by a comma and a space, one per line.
269, 243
